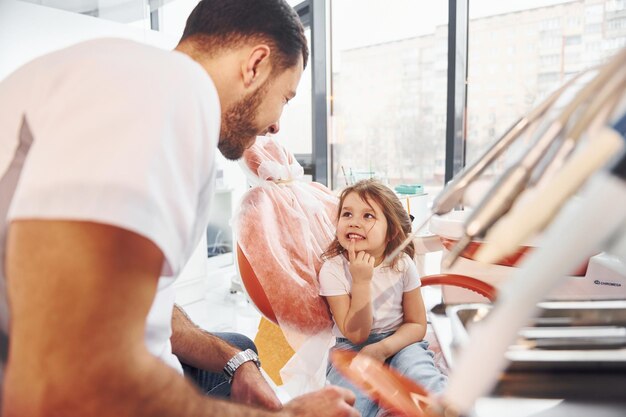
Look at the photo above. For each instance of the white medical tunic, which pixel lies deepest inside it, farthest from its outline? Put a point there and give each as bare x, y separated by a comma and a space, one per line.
114, 132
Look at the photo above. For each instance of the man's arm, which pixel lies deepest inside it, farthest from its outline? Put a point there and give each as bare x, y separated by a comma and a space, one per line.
80, 293
199, 348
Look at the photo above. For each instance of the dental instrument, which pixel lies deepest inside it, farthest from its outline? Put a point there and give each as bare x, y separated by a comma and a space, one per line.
532, 216
515, 180
479, 364
594, 116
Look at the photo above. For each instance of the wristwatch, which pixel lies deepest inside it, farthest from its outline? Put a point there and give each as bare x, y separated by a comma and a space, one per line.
238, 360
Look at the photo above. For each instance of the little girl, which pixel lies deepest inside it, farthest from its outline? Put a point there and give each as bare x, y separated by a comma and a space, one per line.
377, 308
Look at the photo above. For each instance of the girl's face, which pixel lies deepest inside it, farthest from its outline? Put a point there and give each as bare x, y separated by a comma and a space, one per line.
364, 222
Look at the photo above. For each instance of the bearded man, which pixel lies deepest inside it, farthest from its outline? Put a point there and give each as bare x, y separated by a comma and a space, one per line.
105, 187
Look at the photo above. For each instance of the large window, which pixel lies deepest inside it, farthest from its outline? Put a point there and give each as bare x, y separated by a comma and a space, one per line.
296, 121
519, 51
388, 113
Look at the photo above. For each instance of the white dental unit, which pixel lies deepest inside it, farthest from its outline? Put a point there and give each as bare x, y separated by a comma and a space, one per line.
558, 335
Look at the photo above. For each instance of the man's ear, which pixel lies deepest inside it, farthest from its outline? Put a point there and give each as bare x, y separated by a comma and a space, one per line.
257, 66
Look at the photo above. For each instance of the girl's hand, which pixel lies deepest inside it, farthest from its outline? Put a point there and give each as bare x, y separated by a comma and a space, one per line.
375, 351
361, 264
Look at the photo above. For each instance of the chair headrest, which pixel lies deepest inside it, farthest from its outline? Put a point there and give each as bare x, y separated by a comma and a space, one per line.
268, 160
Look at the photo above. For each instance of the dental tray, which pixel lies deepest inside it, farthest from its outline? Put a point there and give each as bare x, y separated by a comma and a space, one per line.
569, 336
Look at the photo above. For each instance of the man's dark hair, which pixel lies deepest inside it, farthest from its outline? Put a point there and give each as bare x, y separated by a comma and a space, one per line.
219, 24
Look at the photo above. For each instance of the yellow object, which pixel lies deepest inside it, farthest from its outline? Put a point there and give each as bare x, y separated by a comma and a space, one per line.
274, 351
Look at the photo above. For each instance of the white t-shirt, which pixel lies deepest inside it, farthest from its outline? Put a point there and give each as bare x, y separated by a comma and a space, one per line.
115, 132
388, 287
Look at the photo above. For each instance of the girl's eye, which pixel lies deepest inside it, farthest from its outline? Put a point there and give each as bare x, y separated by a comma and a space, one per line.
369, 216
346, 214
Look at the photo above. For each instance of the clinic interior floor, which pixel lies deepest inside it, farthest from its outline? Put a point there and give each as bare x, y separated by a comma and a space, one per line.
221, 310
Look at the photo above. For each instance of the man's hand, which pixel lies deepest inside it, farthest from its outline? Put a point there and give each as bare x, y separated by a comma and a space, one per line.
361, 264
250, 387
329, 402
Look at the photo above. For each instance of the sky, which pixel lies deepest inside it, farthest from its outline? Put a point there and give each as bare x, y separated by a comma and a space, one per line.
366, 22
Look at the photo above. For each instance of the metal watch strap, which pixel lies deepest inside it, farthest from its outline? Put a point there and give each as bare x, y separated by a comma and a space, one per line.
239, 359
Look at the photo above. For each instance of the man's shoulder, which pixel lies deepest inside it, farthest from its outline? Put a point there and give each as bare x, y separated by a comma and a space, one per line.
128, 61
159, 78
120, 47
128, 54
99, 49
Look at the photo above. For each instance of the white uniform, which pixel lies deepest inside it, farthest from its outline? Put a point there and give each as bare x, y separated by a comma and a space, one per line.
388, 287
114, 132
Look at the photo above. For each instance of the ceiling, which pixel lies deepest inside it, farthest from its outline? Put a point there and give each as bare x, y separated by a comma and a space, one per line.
124, 11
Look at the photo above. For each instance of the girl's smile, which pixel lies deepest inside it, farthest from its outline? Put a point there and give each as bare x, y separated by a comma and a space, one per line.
365, 223
355, 236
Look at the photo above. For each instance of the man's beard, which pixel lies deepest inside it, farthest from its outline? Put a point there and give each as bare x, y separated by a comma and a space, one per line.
238, 131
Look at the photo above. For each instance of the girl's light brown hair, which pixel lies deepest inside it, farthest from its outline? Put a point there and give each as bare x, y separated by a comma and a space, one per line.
398, 221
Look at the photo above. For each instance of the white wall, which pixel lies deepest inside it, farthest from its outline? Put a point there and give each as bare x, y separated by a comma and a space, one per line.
28, 31
173, 16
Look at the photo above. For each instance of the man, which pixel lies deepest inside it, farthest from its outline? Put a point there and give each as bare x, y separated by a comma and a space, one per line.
107, 189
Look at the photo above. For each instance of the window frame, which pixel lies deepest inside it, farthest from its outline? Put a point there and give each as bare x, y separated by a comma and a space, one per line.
316, 15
